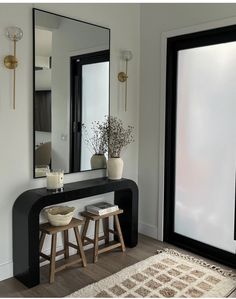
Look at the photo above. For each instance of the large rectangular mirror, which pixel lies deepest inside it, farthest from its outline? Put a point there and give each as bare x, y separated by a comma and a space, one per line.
71, 88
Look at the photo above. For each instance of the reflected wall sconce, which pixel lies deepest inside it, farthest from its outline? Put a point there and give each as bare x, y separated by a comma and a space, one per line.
10, 61
126, 55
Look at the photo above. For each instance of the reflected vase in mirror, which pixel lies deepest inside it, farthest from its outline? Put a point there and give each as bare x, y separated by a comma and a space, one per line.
98, 161
71, 88
96, 139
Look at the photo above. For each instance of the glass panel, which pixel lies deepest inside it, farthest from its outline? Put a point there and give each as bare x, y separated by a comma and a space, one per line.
206, 144
95, 101
57, 39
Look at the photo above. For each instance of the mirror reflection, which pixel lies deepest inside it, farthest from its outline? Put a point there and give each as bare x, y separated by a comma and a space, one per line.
71, 89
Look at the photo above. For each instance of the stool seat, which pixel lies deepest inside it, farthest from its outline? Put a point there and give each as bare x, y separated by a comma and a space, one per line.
105, 219
48, 229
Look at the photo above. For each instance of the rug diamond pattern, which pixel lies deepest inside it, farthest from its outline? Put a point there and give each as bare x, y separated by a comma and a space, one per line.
163, 275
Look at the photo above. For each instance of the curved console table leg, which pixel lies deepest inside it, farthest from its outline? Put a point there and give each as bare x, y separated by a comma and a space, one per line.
26, 248
28, 205
128, 201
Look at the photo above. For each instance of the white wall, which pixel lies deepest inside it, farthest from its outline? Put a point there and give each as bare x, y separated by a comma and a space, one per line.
16, 151
42, 137
156, 19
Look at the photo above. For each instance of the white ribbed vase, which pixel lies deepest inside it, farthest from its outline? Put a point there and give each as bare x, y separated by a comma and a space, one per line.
98, 161
115, 168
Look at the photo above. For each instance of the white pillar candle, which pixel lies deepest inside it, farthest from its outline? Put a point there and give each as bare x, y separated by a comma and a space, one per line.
55, 180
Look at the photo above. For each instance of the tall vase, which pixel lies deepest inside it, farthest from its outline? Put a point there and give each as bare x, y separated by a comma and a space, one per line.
115, 168
98, 161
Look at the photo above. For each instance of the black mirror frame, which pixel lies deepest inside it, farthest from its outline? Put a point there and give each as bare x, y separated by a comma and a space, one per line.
33, 68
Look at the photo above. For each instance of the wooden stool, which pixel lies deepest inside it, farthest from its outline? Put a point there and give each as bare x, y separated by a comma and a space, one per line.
105, 218
48, 229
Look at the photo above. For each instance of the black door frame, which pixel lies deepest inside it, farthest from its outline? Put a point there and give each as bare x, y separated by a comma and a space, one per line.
77, 63
174, 44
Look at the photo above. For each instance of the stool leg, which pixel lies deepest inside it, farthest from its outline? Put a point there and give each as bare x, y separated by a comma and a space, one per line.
41, 241
120, 235
66, 247
105, 222
85, 229
96, 233
53, 258
80, 246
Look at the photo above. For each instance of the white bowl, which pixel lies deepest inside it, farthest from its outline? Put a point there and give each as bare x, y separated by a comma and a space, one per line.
60, 215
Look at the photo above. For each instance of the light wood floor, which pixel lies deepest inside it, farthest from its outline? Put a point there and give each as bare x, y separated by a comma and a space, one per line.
74, 278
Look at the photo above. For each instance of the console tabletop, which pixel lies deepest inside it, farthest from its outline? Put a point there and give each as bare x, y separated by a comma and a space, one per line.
28, 205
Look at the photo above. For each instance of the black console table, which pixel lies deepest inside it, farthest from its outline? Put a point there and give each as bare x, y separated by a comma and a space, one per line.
28, 205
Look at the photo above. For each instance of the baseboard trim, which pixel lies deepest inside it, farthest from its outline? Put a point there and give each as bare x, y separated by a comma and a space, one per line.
148, 230
6, 270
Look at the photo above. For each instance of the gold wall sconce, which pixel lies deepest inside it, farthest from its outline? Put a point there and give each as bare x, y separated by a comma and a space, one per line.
10, 61
126, 55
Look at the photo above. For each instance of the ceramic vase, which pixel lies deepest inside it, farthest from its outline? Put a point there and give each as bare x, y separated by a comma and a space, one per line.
98, 161
115, 168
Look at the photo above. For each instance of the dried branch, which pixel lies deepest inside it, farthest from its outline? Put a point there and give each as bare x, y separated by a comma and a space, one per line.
109, 135
97, 143
118, 137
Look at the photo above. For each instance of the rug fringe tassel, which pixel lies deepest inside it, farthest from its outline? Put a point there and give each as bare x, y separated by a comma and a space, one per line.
226, 273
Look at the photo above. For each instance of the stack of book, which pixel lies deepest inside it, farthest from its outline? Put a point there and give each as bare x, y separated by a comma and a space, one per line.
101, 208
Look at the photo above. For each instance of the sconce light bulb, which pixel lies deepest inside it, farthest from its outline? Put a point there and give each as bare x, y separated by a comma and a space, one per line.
14, 33
127, 55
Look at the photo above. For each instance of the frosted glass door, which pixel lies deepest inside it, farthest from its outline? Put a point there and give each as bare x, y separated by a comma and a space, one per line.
206, 145
95, 101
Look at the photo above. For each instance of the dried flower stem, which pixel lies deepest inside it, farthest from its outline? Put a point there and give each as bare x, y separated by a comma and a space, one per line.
97, 143
109, 135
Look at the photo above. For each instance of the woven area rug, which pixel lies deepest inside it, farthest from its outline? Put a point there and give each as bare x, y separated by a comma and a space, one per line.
166, 274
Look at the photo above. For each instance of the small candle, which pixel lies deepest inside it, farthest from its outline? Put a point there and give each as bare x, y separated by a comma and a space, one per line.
55, 180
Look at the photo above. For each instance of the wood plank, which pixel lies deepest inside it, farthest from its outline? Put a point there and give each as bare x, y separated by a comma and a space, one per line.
95, 250
67, 264
105, 222
88, 240
53, 258
107, 248
45, 256
85, 229
66, 247
80, 246
120, 235
72, 245
60, 252
113, 232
